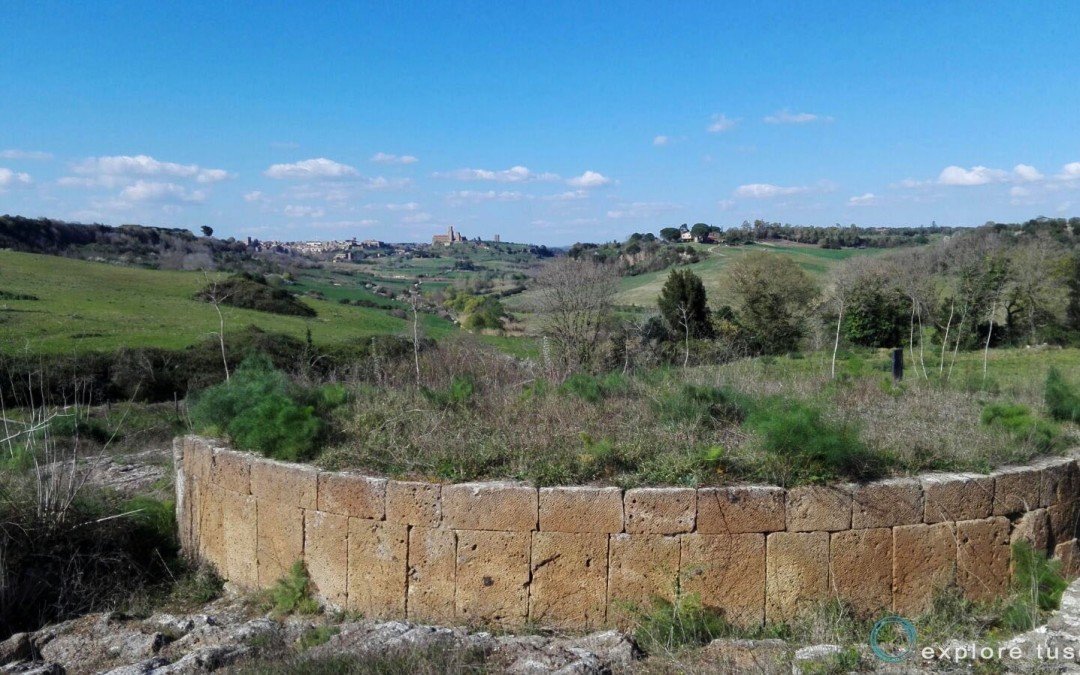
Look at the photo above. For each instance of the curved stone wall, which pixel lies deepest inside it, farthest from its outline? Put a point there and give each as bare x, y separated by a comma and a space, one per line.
575, 557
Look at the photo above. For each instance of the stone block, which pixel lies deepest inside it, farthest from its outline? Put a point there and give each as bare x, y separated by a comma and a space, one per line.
412, 503
640, 567
240, 530
736, 510
1064, 520
819, 508
501, 507
493, 577
326, 554
860, 564
353, 495
924, 564
1068, 552
1034, 528
982, 557
1060, 481
211, 541
231, 470
198, 457
727, 571
292, 484
581, 509
957, 496
432, 575
660, 510
377, 568
1016, 490
887, 503
281, 540
569, 580
796, 573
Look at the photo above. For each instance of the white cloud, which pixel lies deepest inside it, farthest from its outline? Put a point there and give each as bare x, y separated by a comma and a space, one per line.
641, 210
407, 206
384, 158
149, 191
767, 191
418, 217
9, 178
976, 175
721, 123
785, 116
475, 196
312, 168
298, 211
1017, 191
726, 204
381, 183
515, 174
1070, 172
75, 181
254, 196
25, 154
569, 196
116, 170
909, 183
660, 141
867, 199
589, 179
1026, 172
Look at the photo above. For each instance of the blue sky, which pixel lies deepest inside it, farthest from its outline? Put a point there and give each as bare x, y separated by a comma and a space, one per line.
545, 122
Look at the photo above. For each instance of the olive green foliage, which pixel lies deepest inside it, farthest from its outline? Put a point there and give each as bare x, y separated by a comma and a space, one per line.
594, 388
874, 314
683, 305
249, 291
292, 592
477, 312
1038, 584
1062, 399
319, 635
802, 445
260, 409
1019, 421
775, 294
668, 626
704, 407
457, 395
196, 588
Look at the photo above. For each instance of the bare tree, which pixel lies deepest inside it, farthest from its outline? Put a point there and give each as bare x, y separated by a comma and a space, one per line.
414, 301
574, 300
215, 295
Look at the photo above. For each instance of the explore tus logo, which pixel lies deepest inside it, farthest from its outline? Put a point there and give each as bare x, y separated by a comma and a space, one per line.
893, 639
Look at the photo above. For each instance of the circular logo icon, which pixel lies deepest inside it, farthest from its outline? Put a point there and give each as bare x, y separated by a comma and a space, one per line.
893, 639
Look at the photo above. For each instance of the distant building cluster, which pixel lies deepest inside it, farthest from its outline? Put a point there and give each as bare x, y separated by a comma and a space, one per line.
451, 237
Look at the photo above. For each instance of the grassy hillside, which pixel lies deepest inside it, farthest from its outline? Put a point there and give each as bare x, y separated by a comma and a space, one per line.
93, 306
643, 289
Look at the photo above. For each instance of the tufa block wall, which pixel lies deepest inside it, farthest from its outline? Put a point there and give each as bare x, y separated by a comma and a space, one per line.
583, 557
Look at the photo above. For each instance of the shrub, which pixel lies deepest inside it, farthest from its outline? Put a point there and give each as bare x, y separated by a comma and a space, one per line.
667, 627
292, 592
702, 406
1018, 420
595, 388
460, 392
1038, 585
1062, 400
261, 410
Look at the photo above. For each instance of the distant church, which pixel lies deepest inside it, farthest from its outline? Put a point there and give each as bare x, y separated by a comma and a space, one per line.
451, 237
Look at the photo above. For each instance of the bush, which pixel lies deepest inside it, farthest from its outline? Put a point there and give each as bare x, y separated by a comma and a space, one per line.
260, 410
1038, 585
292, 592
1018, 420
595, 389
668, 626
460, 392
702, 406
1062, 400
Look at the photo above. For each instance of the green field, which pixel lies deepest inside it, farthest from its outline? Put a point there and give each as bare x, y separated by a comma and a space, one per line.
642, 290
84, 306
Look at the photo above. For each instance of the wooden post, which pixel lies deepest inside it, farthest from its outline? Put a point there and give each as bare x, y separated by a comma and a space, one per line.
898, 365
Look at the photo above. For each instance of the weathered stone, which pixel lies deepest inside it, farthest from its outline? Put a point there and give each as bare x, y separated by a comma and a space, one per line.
982, 557
569, 579
727, 571
1060, 481
887, 503
377, 568
736, 510
1034, 528
493, 577
819, 508
640, 567
240, 529
199, 457
1016, 490
1064, 520
957, 496
861, 569
411, 503
501, 507
16, 648
292, 484
211, 541
432, 575
281, 540
353, 495
756, 657
924, 564
796, 573
660, 510
1068, 552
581, 509
231, 470
326, 554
